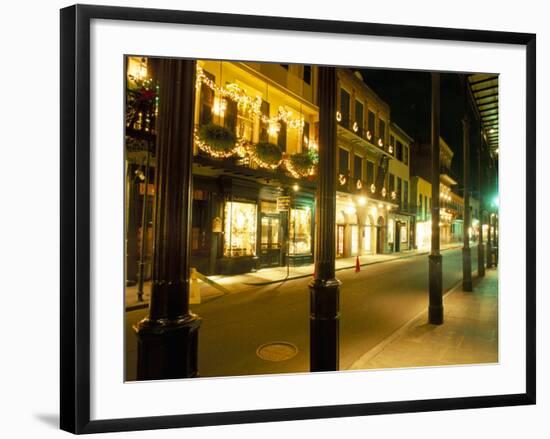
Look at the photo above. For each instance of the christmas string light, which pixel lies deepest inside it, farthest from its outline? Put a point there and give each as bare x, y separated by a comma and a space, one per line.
246, 103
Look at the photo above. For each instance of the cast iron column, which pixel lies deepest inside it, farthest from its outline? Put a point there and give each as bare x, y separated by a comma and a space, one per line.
435, 309
480, 246
325, 288
490, 222
168, 336
466, 251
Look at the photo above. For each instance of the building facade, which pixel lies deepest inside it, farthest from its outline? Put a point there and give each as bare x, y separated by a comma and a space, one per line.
363, 199
401, 221
253, 203
421, 196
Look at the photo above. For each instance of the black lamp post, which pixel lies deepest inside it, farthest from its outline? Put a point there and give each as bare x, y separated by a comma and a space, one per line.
168, 336
325, 288
435, 309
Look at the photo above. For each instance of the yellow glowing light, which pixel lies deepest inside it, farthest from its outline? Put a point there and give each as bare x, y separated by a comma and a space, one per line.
373, 188
359, 184
355, 127
295, 187
369, 135
383, 191
350, 210
380, 206
362, 201
219, 106
342, 179
274, 128
339, 116
380, 142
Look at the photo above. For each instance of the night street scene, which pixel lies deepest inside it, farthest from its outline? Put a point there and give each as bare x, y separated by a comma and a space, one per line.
289, 218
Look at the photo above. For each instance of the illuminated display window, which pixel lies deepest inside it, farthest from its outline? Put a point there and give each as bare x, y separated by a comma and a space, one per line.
300, 231
390, 230
239, 229
354, 240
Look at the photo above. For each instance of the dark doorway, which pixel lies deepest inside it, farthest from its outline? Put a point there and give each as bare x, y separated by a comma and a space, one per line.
380, 235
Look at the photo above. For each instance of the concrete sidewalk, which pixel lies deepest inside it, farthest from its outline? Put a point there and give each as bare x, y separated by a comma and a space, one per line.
469, 334
265, 276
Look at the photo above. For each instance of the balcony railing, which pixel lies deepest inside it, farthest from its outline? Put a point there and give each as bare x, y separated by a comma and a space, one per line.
365, 134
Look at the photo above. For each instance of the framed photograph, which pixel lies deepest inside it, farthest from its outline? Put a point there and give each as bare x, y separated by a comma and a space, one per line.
279, 218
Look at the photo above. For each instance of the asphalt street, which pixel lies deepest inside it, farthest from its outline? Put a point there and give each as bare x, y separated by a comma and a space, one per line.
374, 303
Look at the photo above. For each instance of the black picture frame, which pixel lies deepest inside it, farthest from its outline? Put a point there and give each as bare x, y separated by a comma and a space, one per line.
75, 217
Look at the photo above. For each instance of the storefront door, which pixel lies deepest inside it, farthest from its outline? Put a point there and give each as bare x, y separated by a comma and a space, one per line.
340, 240
270, 243
397, 236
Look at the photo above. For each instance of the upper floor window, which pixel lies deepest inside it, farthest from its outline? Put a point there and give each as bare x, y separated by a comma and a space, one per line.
359, 117
305, 136
382, 129
406, 192
370, 173
206, 101
344, 107
230, 115
392, 145
343, 161
307, 74
406, 155
399, 150
264, 126
358, 167
281, 138
284, 66
391, 182
371, 122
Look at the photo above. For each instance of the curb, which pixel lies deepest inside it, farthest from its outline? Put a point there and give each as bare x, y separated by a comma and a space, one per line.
143, 305
301, 276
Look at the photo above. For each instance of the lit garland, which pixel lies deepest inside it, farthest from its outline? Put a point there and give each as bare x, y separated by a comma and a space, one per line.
384, 192
359, 184
355, 127
369, 135
380, 142
214, 152
393, 195
373, 188
258, 161
342, 179
249, 104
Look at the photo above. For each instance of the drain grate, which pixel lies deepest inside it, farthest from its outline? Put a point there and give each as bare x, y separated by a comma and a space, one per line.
277, 351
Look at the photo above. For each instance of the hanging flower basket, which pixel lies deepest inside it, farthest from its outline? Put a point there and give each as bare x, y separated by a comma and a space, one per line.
266, 155
217, 140
300, 164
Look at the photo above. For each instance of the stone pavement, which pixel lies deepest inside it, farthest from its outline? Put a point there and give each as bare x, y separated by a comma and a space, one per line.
265, 276
469, 334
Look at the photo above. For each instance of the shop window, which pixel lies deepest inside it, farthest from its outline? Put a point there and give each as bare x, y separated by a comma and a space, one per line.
354, 240
300, 231
239, 229
340, 240
391, 226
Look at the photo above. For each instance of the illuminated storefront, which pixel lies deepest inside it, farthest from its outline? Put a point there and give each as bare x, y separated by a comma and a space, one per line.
300, 231
423, 235
239, 229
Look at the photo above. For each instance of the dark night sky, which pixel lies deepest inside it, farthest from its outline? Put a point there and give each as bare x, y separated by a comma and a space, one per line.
409, 95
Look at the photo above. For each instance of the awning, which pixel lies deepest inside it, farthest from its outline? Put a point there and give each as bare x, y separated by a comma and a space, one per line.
484, 92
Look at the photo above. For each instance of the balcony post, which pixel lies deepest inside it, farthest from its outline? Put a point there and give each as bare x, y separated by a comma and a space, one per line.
480, 246
325, 288
435, 309
490, 225
466, 251
168, 336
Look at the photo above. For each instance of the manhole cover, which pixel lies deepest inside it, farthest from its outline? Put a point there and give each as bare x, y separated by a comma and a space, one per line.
277, 351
